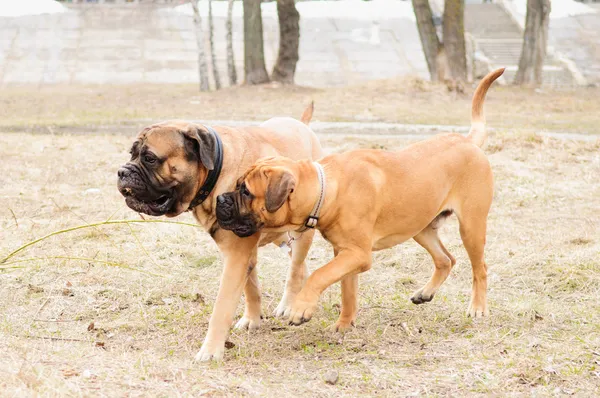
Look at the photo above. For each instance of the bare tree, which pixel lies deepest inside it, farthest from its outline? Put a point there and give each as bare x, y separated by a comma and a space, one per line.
535, 39
213, 57
446, 59
289, 39
254, 53
230, 58
429, 39
202, 67
453, 28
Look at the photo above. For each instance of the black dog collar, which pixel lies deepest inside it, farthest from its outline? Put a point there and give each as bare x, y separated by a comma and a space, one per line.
213, 175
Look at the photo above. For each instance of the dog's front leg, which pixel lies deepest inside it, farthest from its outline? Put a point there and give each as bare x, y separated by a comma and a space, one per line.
298, 271
349, 304
252, 311
348, 262
240, 260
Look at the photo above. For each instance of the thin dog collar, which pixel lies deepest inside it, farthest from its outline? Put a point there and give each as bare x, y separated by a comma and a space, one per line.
313, 218
213, 175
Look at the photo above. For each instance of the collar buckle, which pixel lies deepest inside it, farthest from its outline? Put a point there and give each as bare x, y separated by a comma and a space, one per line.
311, 222
313, 219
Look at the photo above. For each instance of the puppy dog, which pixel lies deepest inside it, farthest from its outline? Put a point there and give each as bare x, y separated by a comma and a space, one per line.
366, 200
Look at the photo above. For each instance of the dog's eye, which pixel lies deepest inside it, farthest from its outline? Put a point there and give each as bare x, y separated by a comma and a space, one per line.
245, 191
149, 159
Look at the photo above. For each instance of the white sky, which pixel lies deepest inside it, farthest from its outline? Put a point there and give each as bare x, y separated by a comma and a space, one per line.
18, 8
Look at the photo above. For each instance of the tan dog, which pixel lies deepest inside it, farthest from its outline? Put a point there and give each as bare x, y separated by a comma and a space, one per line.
372, 200
177, 166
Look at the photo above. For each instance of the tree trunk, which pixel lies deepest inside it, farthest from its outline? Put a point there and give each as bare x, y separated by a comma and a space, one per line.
230, 59
429, 39
289, 38
542, 41
202, 67
213, 57
535, 39
254, 53
454, 39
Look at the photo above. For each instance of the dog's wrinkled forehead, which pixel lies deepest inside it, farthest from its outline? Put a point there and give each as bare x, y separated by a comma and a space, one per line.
163, 141
243, 178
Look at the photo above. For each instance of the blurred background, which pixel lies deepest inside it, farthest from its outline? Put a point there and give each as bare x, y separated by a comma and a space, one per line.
319, 43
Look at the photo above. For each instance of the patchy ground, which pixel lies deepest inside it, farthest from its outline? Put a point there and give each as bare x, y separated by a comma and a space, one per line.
88, 327
404, 100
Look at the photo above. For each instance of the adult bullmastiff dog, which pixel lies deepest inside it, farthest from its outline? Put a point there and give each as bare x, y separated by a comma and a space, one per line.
366, 200
178, 166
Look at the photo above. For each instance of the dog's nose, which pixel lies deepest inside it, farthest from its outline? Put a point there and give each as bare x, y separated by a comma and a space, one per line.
220, 199
122, 172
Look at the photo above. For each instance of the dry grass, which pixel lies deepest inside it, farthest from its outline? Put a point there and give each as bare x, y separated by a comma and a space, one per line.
83, 328
403, 100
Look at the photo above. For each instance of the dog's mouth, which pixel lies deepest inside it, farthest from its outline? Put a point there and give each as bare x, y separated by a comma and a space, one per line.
155, 207
229, 217
242, 228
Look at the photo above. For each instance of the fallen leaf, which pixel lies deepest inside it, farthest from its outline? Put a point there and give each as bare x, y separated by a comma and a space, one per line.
198, 298
35, 289
70, 372
229, 345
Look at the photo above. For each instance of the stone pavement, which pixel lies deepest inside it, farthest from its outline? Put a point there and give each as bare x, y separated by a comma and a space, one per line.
139, 43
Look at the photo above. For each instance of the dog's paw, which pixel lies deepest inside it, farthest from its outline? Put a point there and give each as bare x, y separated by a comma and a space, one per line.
302, 311
283, 308
247, 323
342, 326
210, 353
478, 310
420, 297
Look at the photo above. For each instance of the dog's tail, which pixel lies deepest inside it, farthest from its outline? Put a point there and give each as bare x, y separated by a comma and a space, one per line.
477, 134
308, 112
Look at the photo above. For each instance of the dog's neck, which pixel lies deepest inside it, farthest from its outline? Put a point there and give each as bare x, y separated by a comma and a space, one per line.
213, 175
316, 190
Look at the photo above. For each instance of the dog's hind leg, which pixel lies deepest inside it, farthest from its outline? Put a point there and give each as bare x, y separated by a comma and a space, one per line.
473, 226
298, 271
442, 259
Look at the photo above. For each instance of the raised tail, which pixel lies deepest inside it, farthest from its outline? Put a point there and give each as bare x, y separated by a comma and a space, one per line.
477, 134
308, 112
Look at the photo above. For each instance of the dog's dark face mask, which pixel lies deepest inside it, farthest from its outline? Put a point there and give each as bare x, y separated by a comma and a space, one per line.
142, 191
234, 213
258, 202
168, 163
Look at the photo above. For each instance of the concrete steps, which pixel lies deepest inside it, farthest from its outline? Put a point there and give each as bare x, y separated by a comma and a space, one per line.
500, 39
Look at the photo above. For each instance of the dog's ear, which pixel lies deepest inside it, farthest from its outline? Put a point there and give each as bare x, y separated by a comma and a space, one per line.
200, 144
281, 185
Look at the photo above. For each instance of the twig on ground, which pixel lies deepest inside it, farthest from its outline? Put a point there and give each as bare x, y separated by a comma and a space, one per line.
56, 320
78, 216
14, 216
43, 305
25, 246
406, 329
113, 214
55, 338
140, 245
112, 264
